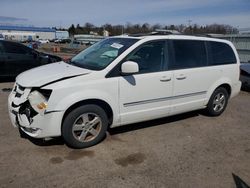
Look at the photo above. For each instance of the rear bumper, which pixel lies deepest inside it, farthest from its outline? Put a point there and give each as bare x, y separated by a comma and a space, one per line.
236, 89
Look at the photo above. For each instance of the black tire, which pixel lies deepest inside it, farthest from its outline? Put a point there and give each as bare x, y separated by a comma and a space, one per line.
75, 119
211, 106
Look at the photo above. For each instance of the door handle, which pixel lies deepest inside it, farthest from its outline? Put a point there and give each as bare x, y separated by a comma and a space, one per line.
165, 79
181, 77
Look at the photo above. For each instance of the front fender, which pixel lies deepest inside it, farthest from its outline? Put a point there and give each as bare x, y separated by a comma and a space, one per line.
63, 103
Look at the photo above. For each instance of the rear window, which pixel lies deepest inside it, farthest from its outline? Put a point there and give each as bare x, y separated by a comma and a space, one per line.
188, 54
221, 54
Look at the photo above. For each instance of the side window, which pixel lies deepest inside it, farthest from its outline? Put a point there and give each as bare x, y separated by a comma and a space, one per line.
221, 53
188, 54
10, 47
149, 56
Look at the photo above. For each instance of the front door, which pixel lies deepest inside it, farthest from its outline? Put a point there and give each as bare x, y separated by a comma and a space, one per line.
146, 95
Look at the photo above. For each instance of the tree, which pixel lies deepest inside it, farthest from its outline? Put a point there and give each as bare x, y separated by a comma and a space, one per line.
72, 30
147, 28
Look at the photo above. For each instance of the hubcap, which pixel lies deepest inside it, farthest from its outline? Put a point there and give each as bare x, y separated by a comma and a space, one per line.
87, 127
219, 102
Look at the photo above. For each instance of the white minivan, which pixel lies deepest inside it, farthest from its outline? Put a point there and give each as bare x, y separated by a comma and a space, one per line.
123, 80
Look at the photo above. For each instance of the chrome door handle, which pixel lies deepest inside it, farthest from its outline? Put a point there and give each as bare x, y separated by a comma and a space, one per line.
165, 79
181, 77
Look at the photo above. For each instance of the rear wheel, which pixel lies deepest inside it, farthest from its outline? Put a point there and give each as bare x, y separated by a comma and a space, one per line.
218, 102
85, 126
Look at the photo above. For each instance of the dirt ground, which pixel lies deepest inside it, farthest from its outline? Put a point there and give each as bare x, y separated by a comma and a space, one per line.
188, 150
66, 51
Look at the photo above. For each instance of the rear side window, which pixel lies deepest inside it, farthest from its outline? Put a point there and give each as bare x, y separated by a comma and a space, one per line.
221, 53
188, 54
10, 47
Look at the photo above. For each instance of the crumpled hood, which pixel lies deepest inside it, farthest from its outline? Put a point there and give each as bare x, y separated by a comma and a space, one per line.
42, 75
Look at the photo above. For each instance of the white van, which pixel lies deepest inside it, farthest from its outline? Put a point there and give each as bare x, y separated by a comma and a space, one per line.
123, 80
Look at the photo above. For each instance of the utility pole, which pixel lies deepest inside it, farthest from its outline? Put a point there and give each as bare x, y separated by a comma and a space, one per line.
189, 25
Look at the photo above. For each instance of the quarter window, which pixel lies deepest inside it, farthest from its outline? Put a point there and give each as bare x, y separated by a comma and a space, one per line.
188, 54
149, 56
221, 54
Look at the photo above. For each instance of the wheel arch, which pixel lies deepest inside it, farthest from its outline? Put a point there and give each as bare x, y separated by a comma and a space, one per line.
227, 87
225, 83
212, 110
103, 104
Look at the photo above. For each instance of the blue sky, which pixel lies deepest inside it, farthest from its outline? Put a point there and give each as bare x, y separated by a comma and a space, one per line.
49, 13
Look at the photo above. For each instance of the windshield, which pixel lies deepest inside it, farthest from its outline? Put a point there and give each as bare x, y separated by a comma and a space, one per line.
101, 54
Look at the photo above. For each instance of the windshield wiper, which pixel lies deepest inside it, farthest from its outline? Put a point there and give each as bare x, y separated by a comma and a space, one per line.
77, 64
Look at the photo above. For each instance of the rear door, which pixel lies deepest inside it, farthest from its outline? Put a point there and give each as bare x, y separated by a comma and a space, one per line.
19, 58
192, 76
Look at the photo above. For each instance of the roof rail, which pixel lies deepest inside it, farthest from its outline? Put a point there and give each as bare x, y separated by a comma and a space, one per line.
169, 32
202, 35
156, 32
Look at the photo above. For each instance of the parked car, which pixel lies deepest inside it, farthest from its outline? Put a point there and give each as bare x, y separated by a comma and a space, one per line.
34, 45
1, 37
16, 58
42, 41
76, 42
124, 80
63, 41
245, 75
52, 40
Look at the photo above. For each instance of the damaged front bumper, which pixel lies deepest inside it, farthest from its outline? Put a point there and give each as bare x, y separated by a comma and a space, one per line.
32, 123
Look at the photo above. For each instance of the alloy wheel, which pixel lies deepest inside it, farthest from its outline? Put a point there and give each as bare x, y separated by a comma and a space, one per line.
219, 102
87, 127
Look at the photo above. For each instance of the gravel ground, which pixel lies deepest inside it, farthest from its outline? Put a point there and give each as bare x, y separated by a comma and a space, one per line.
188, 150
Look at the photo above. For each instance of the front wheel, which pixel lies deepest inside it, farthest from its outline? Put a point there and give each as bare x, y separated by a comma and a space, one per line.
85, 126
218, 102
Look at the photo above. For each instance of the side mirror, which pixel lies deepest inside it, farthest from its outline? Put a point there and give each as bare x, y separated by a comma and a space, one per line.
129, 67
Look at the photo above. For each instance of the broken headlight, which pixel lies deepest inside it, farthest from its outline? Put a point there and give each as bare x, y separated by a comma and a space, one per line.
39, 100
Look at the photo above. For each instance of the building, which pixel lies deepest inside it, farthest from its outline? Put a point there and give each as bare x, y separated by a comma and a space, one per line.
62, 34
20, 33
88, 38
19, 36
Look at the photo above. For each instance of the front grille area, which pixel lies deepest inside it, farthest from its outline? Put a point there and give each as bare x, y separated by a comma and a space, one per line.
18, 90
13, 105
14, 112
21, 88
15, 88
21, 112
26, 109
18, 95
